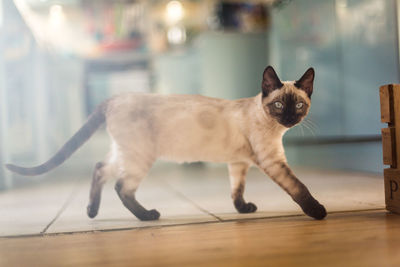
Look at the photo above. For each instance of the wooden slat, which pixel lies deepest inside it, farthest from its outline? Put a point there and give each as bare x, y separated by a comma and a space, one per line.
346, 239
395, 115
392, 189
389, 147
384, 94
390, 113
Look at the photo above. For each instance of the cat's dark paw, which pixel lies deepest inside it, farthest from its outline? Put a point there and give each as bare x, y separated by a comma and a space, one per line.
243, 207
150, 215
92, 211
312, 208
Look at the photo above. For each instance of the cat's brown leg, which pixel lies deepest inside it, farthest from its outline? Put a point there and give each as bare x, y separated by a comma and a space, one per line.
281, 173
126, 188
237, 175
95, 191
129, 200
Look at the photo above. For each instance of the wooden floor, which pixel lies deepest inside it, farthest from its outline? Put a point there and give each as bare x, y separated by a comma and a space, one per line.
369, 238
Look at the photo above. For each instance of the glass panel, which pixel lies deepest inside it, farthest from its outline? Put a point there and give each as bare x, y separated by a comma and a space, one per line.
352, 44
370, 59
305, 35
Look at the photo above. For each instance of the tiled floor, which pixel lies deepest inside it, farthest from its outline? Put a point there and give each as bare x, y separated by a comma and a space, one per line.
182, 195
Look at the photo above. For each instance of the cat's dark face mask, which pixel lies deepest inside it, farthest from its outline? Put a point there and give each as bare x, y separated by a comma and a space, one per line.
287, 102
288, 109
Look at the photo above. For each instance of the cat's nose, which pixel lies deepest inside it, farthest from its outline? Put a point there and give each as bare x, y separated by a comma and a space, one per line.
290, 121
291, 118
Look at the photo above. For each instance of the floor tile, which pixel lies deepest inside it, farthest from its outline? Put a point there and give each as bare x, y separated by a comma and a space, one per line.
338, 191
182, 194
28, 211
113, 215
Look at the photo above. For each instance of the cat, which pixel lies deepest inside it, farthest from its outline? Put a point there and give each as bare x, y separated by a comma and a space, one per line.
188, 128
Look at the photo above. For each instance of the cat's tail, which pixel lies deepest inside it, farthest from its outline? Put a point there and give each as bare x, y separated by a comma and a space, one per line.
95, 120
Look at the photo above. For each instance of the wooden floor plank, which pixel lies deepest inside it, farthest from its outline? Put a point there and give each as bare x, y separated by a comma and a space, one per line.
345, 239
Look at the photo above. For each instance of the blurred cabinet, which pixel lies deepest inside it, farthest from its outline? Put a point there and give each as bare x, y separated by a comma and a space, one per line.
2, 97
16, 99
353, 45
232, 63
305, 35
177, 72
218, 64
368, 31
113, 74
37, 91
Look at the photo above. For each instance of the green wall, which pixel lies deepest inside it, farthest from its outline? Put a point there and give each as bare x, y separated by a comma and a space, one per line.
353, 47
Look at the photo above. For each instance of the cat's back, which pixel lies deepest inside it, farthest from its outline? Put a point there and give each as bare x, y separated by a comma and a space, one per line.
164, 103
178, 127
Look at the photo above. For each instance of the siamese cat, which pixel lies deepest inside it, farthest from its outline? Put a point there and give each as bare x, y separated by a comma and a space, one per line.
188, 128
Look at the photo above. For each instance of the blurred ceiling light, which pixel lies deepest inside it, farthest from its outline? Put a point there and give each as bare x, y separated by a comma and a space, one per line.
174, 11
176, 35
57, 16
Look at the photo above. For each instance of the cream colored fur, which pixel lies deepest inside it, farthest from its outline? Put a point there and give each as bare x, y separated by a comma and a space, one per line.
187, 128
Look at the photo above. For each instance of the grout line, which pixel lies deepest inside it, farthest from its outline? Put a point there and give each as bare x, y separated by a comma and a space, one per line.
185, 224
62, 209
306, 216
184, 197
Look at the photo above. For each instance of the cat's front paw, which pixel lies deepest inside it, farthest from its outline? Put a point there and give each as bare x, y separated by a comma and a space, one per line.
243, 207
150, 215
312, 208
91, 211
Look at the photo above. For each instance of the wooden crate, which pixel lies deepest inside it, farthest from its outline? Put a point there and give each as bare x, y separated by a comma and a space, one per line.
390, 114
392, 189
389, 147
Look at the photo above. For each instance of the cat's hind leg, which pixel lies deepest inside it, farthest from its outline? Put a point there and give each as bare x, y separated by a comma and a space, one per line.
237, 176
100, 175
133, 173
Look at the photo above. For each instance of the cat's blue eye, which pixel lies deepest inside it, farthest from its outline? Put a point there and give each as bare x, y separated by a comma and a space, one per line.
278, 105
299, 105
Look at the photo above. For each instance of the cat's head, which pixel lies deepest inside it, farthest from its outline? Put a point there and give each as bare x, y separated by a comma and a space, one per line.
287, 102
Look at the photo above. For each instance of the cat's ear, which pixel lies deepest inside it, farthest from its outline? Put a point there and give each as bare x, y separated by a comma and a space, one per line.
270, 81
306, 82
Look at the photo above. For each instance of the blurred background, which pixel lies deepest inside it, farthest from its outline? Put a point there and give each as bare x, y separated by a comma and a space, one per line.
59, 59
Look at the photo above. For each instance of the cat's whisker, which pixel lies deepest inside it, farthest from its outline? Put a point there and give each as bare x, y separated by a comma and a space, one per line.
302, 130
306, 124
309, 128
309, 120
312, 124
